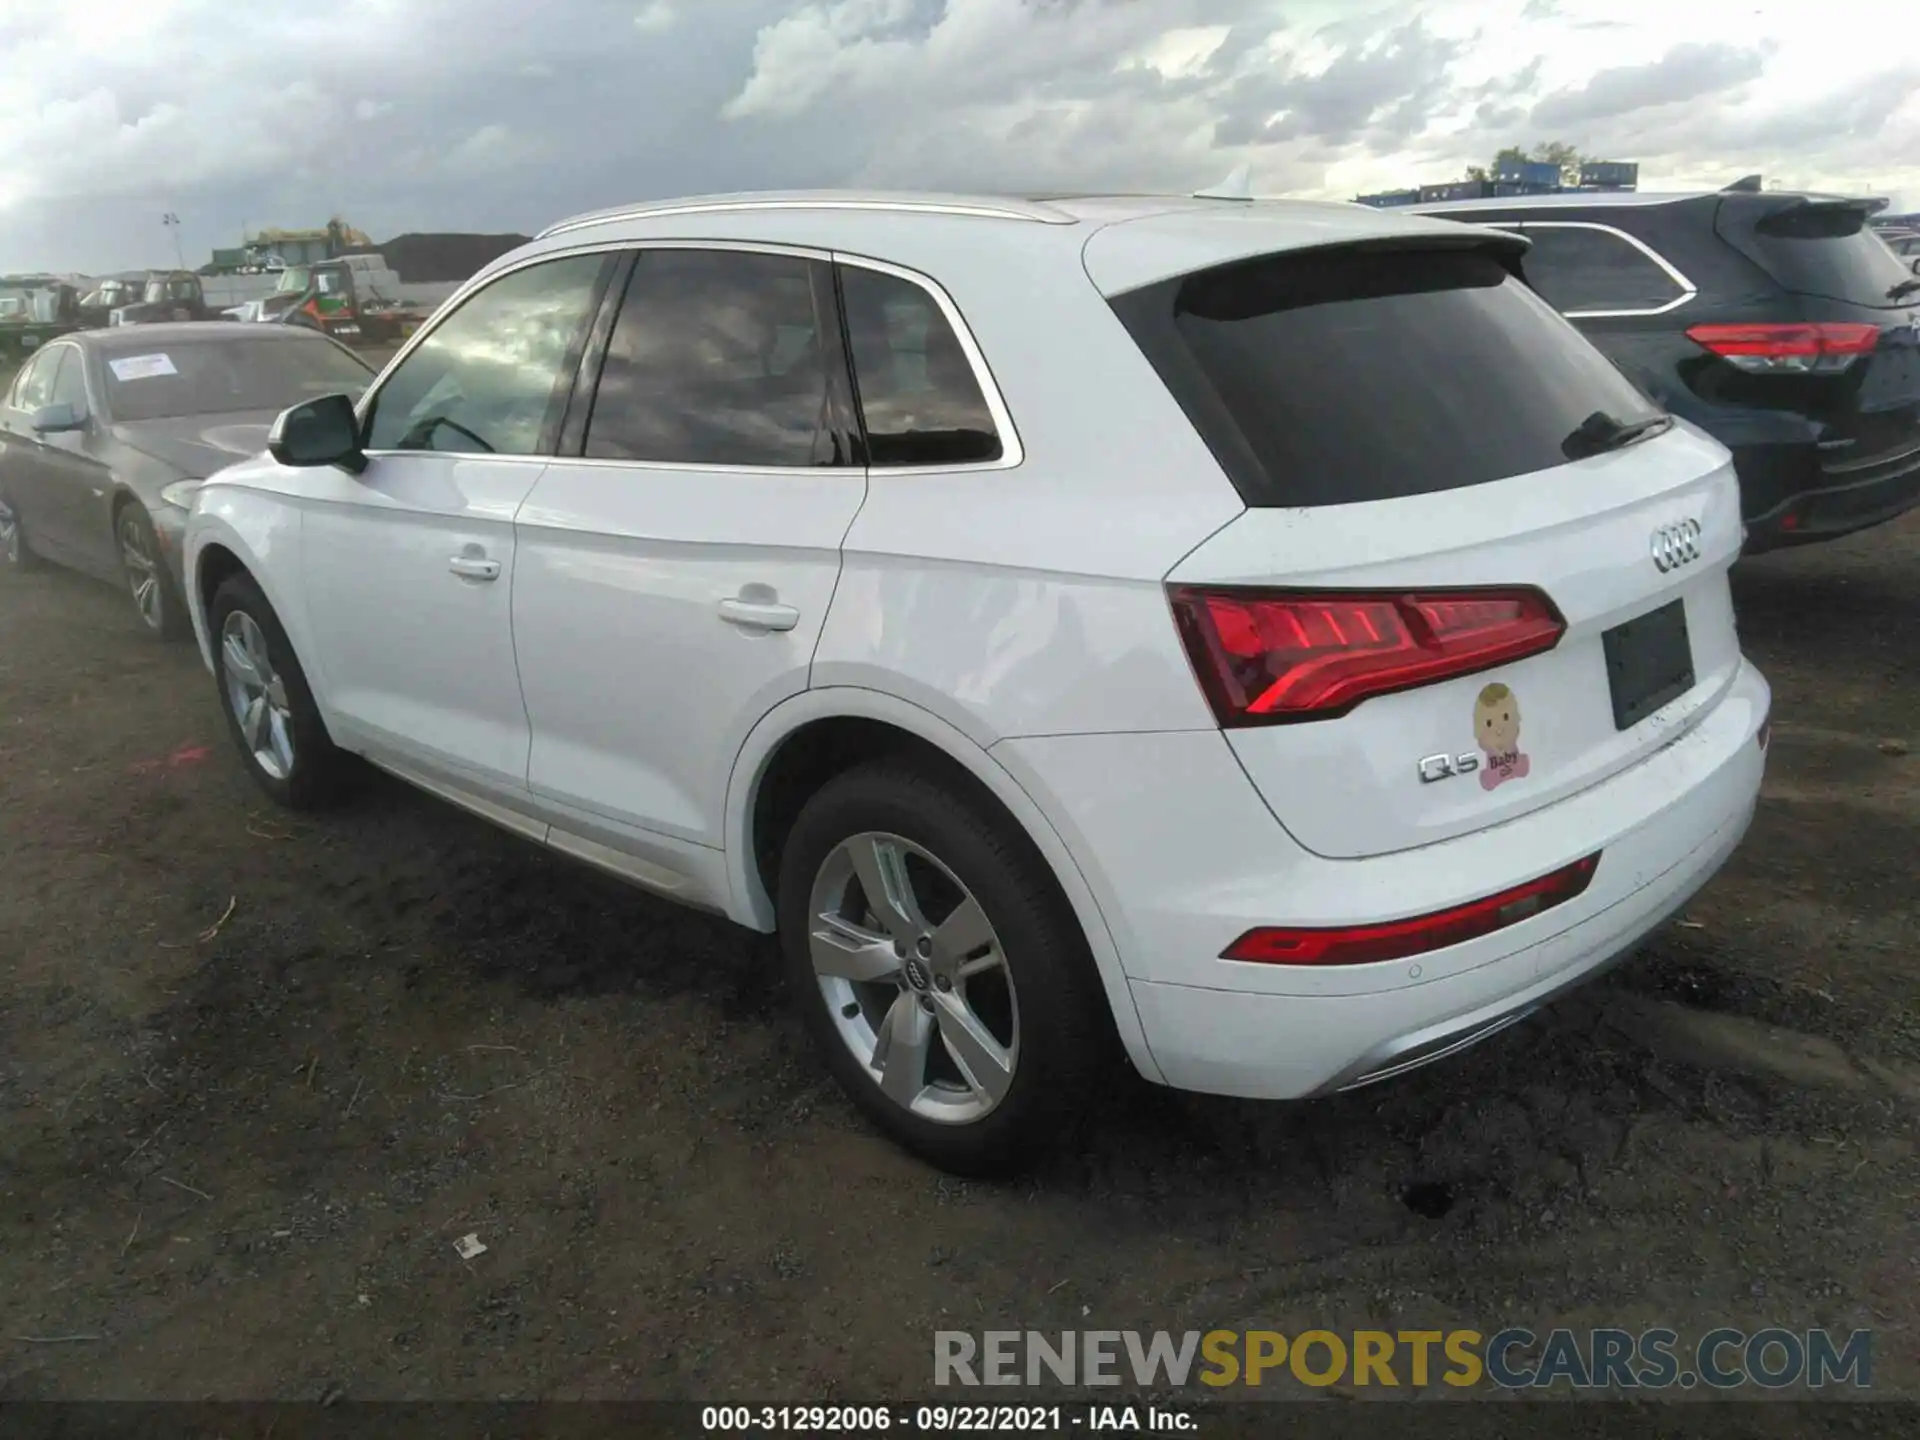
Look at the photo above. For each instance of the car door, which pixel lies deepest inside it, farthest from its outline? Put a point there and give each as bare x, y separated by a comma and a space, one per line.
76, 482
409, 565
22, 473
676, 562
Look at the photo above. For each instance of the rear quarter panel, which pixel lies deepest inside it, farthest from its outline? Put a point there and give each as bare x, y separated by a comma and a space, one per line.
1028, 600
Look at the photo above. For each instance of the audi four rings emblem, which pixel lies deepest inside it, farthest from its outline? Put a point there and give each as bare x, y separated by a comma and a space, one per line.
1676, 545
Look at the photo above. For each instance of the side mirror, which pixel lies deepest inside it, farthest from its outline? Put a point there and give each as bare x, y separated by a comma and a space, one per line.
57, 419
318, 432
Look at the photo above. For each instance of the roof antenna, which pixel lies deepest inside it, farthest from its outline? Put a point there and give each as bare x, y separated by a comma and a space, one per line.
1745, 185
1237, 186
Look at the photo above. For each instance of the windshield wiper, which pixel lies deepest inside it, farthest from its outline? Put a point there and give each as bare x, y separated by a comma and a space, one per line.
1904, 288
1601, 432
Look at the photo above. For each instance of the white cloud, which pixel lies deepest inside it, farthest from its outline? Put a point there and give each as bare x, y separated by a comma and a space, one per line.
656, 17
453, 114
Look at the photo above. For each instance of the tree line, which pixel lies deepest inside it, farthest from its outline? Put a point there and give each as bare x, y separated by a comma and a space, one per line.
1551, 152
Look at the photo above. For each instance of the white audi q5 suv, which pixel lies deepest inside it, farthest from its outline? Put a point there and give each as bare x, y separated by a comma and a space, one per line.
1261, 634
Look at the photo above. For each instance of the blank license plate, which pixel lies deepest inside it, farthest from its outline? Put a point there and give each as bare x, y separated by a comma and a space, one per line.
1649, 663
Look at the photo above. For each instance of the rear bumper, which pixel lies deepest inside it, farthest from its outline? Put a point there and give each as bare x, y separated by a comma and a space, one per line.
1789, 499
1279, 1047
1184, 858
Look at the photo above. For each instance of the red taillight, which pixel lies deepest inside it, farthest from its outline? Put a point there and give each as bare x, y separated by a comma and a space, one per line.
1397, 939
1268, 656
1788, 349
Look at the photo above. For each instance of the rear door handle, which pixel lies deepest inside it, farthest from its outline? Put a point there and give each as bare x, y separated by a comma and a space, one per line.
759, 614
472, 567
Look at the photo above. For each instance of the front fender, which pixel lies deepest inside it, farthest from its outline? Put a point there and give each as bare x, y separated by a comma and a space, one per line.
750, 905
262, 531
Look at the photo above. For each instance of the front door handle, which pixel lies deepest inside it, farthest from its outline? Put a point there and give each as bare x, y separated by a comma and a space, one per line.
473, 567
759, 614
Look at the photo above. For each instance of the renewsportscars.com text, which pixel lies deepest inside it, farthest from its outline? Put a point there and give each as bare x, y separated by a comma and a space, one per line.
1513, 1359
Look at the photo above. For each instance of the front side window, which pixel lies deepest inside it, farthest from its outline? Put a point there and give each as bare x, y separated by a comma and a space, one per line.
35, 385
1579, 269
491, 378
919, 396
717, 358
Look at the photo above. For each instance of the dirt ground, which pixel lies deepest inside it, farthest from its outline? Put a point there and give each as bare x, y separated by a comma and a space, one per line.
258, 1075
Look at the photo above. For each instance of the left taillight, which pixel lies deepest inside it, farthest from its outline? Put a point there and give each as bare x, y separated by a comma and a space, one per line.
1814, 349
1267, 657
1398, 939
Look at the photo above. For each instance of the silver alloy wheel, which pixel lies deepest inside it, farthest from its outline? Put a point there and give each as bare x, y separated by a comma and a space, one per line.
914, 978
257, 694
143, 570
9, 533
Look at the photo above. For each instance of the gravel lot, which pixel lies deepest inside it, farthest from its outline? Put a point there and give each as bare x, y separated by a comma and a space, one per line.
257, 1075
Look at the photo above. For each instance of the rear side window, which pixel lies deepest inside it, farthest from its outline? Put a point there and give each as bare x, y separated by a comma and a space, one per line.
719, 357
1827, 250
1332, 377
1582, 269
919, 395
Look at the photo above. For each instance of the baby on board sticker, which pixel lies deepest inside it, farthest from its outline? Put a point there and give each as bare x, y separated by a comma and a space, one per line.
1496, 727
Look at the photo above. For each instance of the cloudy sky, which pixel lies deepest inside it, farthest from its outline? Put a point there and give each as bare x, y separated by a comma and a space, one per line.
503, 115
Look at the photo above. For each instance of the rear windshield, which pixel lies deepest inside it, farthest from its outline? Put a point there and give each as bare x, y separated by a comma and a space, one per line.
206, 377
1827, 250
1333, 377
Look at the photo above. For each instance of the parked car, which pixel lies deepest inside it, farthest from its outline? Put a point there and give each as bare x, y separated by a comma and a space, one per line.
1774, 320
1262, 634
106, 434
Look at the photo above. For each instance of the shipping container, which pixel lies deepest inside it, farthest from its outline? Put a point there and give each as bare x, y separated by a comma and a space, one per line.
1613, 174
1386, 199
1456, 190
1527, 172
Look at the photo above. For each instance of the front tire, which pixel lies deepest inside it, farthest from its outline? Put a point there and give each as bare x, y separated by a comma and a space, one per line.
938, 967
269, 707
156, 599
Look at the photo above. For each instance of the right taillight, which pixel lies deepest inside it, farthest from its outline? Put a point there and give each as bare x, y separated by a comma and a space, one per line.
1788, 349
1267, 657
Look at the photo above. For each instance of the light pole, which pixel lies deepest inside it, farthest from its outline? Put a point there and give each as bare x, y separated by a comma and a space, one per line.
172, 222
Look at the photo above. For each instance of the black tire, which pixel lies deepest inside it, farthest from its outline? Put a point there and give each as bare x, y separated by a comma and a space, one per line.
319, 771
16, 553
165, 617
1062, 1019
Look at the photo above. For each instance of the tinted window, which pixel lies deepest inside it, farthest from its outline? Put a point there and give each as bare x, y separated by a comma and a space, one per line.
70, 384
1827, 250
159, 380
716, 359
1581, 269
491, 377
35, 384
918, 394
1331, 377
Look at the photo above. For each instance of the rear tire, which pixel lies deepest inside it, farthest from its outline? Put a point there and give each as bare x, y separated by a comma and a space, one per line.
15, 553
269, 708
999, 1023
